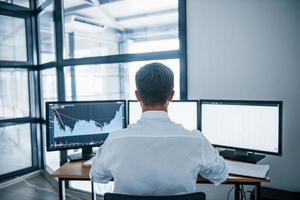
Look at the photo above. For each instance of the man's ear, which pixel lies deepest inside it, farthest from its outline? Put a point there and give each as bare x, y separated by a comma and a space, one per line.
171, 95
137, 95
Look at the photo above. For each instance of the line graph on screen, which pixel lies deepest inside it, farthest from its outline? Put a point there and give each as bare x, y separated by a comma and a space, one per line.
73, 124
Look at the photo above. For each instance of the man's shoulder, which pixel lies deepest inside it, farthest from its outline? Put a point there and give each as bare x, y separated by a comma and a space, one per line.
176, 130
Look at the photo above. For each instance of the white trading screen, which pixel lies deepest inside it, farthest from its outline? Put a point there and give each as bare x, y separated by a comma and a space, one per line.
241, 126
185, 113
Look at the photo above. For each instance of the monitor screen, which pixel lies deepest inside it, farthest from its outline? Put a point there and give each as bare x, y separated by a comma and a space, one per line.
182, 112
250, 125
81, 124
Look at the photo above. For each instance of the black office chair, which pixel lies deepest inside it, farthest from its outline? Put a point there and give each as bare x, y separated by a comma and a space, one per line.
190, 196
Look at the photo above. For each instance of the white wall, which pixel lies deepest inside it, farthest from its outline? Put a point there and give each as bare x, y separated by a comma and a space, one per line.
250, 49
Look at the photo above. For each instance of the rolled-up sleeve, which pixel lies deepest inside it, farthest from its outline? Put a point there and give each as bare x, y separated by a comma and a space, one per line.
100, 172
213, 167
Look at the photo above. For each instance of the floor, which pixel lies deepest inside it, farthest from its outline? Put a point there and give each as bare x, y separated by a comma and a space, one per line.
22, 191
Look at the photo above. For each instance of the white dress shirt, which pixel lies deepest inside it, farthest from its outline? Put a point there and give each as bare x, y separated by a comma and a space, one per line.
156, 156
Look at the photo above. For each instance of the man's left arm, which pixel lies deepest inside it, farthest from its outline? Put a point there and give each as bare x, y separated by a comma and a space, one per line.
214, 167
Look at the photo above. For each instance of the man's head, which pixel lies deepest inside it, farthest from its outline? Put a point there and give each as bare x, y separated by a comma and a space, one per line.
154, 83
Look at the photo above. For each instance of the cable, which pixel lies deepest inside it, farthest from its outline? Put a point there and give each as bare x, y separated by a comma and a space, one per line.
229, 192
243, 192
45, 189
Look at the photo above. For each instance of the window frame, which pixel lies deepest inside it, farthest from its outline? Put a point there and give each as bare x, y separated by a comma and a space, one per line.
26, 15
32, 119
34, 67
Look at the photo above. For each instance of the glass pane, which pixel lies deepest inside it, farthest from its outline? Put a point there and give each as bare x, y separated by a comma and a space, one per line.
93, 82
14, 100
47, 34
117, 27
15, 148
12, 39
86, 186
24, 3
41, 2
51, 158
152, 46
48, 87
109, 81
133, 67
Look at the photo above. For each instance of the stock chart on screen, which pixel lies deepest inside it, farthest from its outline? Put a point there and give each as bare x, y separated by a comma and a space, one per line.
79, 124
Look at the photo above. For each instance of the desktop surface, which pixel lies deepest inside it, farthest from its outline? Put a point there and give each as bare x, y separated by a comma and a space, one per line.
77, 171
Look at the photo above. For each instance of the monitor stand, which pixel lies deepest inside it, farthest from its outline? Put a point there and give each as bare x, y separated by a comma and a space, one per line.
241, 156
86, 154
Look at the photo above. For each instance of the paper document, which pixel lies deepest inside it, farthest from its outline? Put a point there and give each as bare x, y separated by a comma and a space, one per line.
247, 169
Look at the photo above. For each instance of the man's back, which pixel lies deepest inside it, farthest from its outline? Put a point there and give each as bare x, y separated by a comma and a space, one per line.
157, 157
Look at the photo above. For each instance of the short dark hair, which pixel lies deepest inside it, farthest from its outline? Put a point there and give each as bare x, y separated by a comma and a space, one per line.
154, 82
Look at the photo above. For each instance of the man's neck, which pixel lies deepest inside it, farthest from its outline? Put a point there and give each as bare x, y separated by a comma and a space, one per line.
155, 108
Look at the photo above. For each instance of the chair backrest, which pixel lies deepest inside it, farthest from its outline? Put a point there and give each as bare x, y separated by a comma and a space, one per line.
190, 196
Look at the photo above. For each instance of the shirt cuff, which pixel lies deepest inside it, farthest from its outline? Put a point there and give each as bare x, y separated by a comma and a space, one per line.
222, 178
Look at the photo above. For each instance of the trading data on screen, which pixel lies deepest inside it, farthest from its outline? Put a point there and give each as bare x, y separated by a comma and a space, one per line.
78, 124
241, 126
185, 113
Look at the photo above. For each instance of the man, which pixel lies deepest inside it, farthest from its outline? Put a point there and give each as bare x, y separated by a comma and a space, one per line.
156, 156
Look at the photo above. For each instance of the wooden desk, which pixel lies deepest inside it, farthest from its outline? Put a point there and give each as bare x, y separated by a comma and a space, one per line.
75, 171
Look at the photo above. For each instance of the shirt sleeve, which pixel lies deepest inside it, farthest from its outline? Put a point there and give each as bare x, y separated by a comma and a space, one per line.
99, 171
213, 167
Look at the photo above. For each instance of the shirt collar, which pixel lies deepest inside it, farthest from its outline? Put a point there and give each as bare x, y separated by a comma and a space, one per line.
155, 114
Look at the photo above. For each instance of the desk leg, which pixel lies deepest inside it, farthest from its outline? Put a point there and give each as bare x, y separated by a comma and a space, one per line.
237, 192
93, 191
258, 191
62, 189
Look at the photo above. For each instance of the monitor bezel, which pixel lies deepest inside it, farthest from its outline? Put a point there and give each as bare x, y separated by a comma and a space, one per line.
187, 100
76, 102
253, 103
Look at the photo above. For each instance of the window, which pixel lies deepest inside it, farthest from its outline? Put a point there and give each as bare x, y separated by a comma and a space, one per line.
52, 158
47, 34
12, 39
92, 82
99, 49
109, 28
40, 2
48, 87
15, 151
14, 98
19, 134
100, 188
109, 81
48, 93
24, 3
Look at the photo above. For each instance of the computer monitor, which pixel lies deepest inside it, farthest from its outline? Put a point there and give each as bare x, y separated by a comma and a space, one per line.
184, 112
82, 124
246, 126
